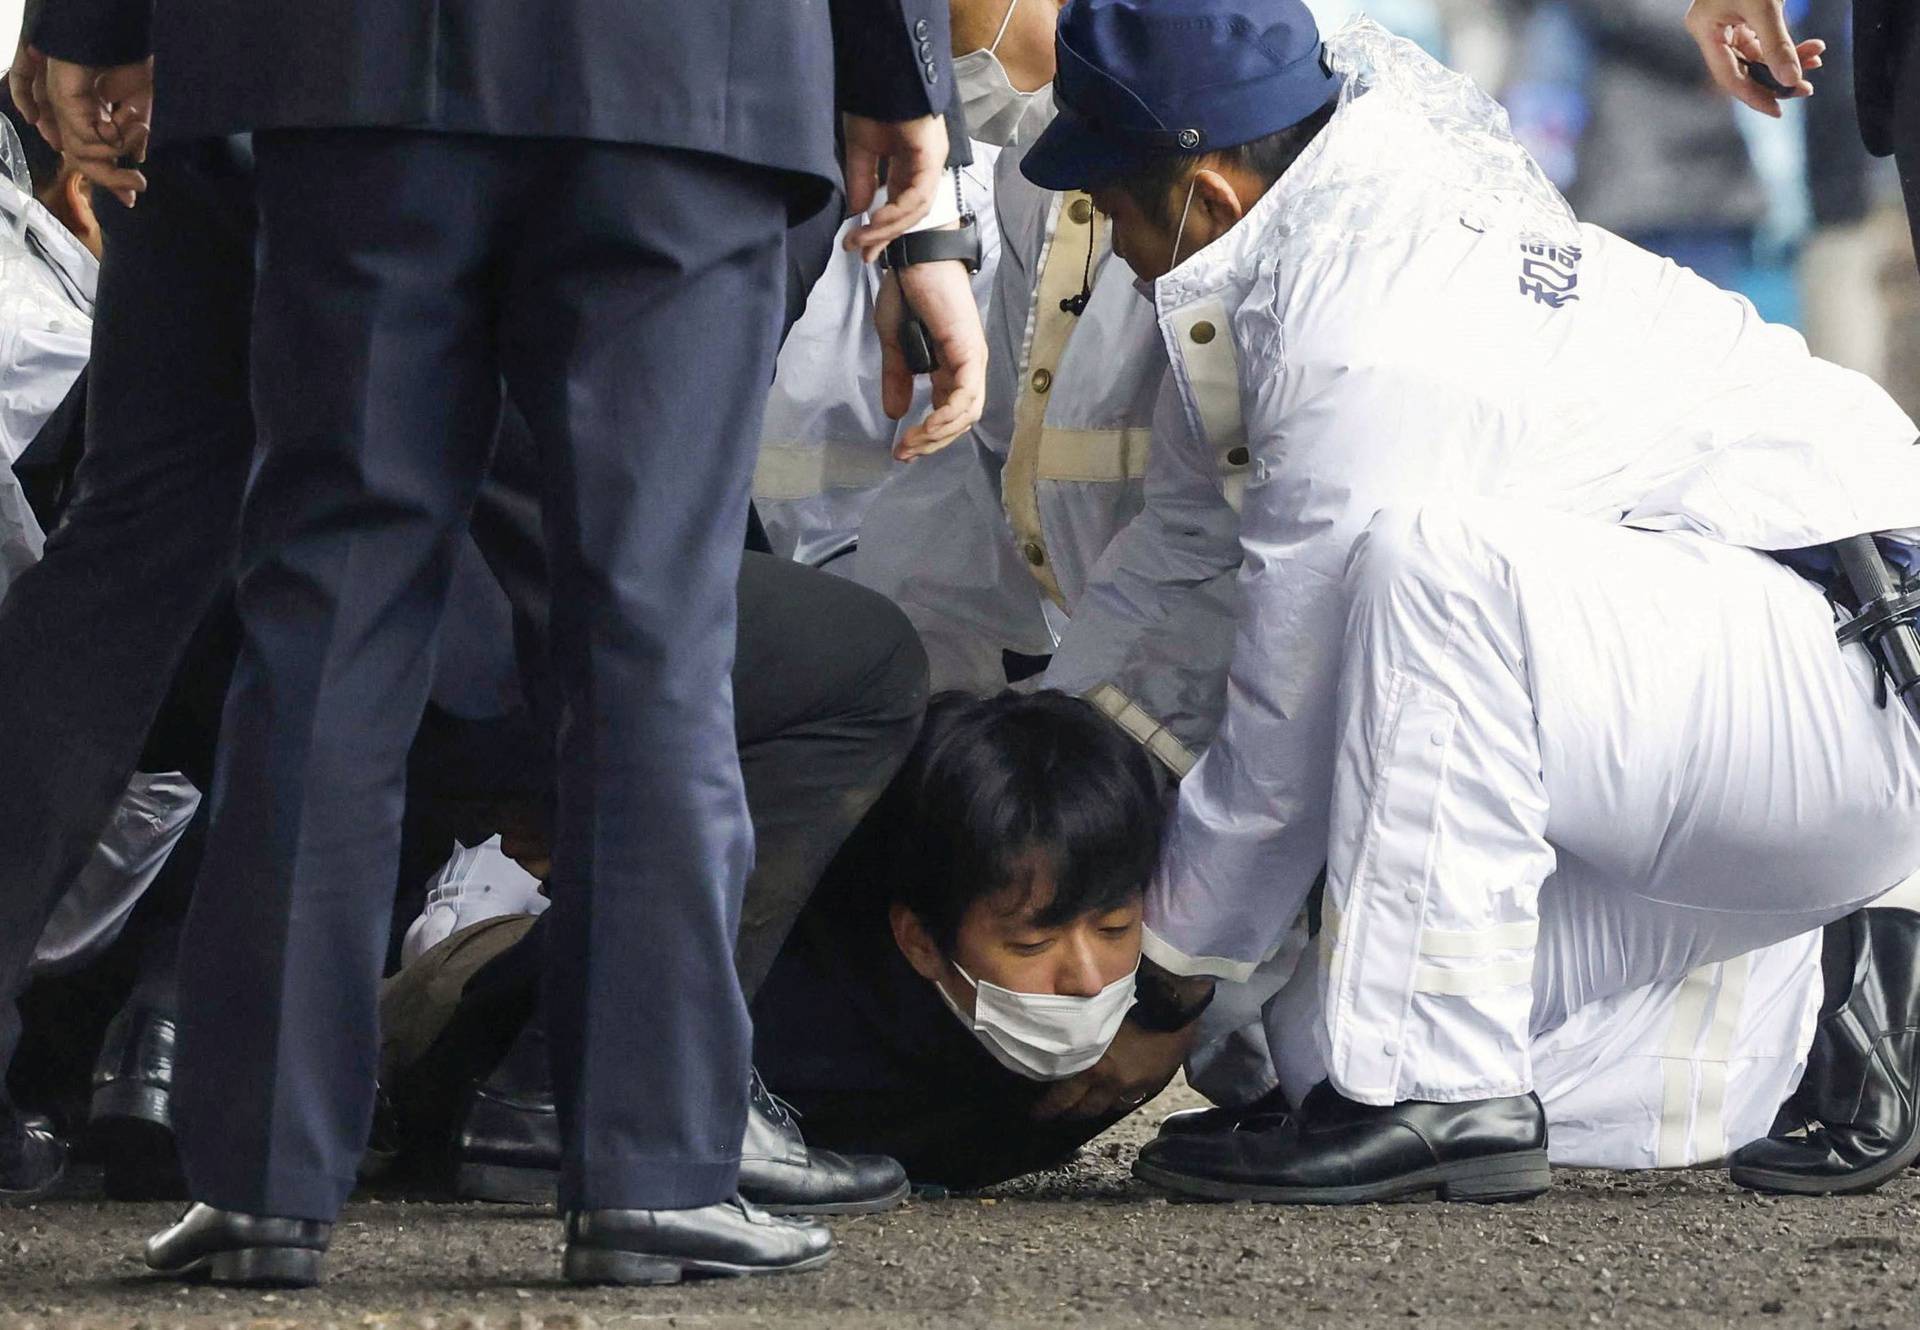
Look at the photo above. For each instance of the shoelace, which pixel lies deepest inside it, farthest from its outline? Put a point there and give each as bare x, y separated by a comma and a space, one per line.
779, 1109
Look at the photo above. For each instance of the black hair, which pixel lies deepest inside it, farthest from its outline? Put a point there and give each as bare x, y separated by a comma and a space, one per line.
1151, 184
43, 163
998, 788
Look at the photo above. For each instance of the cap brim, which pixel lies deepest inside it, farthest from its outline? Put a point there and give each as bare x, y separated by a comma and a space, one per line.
1070, 154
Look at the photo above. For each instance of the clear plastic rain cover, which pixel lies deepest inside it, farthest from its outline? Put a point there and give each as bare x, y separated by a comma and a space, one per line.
13, 158
1433, 142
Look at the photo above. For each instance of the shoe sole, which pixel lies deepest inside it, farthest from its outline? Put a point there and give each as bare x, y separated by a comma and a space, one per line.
254, 1267
1512, 1177
504, 1184
34, 1195
598, 1265
1849, 1184
130, 1101
874, 1206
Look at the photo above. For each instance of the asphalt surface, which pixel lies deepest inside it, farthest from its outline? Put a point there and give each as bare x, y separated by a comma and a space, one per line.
1085, 1247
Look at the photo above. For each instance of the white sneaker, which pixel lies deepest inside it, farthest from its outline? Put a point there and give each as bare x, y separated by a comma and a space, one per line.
479, 882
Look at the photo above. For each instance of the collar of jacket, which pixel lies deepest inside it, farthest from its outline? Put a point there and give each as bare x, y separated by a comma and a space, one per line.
77, 271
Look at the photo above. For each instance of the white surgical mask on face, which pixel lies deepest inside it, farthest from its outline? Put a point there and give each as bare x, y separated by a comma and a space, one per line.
1044, 1036
996, 111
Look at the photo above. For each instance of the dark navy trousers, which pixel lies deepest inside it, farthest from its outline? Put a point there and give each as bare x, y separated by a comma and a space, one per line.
629, 298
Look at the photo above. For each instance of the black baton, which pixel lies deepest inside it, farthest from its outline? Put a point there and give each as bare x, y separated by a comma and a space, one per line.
1886, 618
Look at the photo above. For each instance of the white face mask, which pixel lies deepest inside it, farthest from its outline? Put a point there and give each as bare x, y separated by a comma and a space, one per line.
1044, 1036
996, 111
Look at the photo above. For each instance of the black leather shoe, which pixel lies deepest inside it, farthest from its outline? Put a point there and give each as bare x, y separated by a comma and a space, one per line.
781, 1173
32, 1159
1337, 1152
1853, 1123
509, 1152
508, 1147
666, 1246
1266, 1111
222, 1247
130, 1118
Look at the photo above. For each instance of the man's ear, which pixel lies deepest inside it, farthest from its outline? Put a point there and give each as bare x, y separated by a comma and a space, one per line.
916, 944
1217, 198
76, 210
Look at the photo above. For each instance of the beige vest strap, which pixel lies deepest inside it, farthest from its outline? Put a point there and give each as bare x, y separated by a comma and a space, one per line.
1063, 269
1108, 456
788, 471
1140, 725
1213, 372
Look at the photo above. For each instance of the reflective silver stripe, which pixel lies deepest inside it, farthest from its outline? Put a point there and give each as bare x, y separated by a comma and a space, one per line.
1472, 982
1692, 1007
1479, 942
787, 471
1143, 728
1710, 1130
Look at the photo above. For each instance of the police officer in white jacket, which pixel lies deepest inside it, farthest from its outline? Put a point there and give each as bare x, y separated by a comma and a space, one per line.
48, 267
1058, 465
1515, 662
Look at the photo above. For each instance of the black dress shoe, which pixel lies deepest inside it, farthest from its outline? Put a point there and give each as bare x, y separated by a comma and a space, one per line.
222, 1247
1266, 1111
1337, 1152
666, 1246
508, 1146
781, 1173
130, 1118
509, 1152
32, 1159
1853, 1121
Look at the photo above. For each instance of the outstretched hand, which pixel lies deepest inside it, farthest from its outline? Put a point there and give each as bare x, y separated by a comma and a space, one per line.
1729, 31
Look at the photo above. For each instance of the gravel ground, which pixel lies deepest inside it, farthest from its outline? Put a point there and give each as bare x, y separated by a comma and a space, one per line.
1086, 1246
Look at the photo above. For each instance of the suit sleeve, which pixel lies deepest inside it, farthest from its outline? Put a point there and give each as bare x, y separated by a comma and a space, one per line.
93, 32
892, 60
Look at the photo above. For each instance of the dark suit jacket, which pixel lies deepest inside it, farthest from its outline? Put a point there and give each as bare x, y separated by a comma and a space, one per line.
1886, 49
751, 80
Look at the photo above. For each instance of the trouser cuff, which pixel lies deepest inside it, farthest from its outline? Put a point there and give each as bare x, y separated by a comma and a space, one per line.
647, 1182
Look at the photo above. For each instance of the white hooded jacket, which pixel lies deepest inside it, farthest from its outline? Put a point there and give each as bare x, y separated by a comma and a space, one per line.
1413, 313
47, 284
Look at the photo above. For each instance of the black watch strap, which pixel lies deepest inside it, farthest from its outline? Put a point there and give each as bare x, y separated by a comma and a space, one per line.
1157, 1011
936, 247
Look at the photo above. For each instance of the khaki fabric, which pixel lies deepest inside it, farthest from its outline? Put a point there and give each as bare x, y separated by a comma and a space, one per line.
417, 1004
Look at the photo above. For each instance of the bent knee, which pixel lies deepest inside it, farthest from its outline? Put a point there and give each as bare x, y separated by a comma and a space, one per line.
1423, 546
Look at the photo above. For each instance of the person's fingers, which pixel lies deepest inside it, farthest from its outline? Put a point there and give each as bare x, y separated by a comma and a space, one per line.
130, 131
1731, 76
892, 219
1747, 46
1060, 1100
45, 121
911, 181
123, 182
861, 170
896, 380
1768, 21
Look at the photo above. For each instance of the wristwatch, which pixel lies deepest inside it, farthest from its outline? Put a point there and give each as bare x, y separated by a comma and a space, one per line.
936, 247
1157, 1009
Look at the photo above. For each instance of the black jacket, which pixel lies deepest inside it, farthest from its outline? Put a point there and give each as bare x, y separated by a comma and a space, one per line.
1886, 49
751, 80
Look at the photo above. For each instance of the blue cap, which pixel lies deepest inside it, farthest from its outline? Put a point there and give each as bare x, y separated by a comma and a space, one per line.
1139, 78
